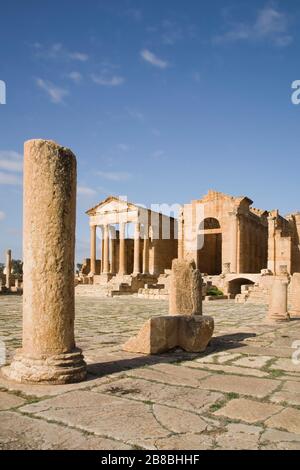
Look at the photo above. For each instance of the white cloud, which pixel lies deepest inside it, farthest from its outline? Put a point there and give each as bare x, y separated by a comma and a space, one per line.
75, 76
2, 215
55, 93
11, 161
103, 80
10, 179
58, 51
270, 23
85, 191
80, 56
152, 59
115, 175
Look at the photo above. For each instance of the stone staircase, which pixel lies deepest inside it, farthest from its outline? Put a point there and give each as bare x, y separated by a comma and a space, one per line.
256, 294
118, 285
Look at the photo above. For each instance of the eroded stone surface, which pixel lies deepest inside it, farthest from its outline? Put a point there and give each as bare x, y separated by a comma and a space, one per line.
20, 432
248, 410
243, 385
104, 415
8, 400
288, 419
185, 292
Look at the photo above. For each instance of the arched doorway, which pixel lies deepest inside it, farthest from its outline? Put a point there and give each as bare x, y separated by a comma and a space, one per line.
209, 256
234, 286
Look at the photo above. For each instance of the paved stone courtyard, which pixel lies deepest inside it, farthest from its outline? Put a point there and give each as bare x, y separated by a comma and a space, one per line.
242, 393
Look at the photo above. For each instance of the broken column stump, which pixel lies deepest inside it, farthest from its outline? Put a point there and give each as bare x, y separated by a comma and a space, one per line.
185, 326
294, 310
278, 302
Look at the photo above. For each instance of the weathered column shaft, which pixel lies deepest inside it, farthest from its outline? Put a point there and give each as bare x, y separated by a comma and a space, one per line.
136, 259
48, 353
146, 254
106, 249
112, 250
122, 254
8, 269
93, 249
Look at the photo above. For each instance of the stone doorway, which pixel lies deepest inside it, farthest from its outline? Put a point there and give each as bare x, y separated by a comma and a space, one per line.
234, 286
209, 256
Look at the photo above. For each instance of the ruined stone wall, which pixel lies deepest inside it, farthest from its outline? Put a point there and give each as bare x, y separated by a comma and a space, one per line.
232, 233
279, 244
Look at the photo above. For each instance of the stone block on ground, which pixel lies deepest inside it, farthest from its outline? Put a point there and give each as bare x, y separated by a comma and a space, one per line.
161, 334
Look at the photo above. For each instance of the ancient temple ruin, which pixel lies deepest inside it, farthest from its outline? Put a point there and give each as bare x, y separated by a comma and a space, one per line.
235, 246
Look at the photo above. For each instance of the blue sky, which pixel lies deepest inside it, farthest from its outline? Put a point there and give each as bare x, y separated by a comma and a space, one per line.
159, 100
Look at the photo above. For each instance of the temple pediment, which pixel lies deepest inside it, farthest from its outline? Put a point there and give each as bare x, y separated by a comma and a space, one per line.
112, 204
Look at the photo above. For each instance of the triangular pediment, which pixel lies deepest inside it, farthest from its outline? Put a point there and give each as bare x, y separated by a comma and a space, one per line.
112, 204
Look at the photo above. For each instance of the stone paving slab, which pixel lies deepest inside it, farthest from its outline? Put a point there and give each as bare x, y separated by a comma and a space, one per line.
288, 420
251, 386
255, 362
20, 432
239, 437
103, 415
170, 374
248, 410
289, 393
241, 393
185, 398
8, 401
226, 369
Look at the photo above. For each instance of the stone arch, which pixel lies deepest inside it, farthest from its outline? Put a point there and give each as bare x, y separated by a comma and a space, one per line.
209, 254
234, 286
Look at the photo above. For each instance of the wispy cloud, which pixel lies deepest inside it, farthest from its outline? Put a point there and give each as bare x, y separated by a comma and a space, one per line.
80, 56
58, 51
158, 154
115, 175
2, 215
10, 179
172, 32
76, 77
85, 191
111, 81
55, 93
11, 161
123, 147
135, 114
152, 59
270, 24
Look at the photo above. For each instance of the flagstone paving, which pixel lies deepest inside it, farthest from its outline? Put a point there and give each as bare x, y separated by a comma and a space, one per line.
242, 393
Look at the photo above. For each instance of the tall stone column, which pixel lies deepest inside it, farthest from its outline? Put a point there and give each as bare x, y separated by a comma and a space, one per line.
146, 252
136, 259
122, 254
112, 250
106, 249
278, 306
48, 353
93, 250
8, 269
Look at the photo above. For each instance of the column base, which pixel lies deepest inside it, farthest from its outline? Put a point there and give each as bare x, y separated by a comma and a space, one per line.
59, 369
277, 318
